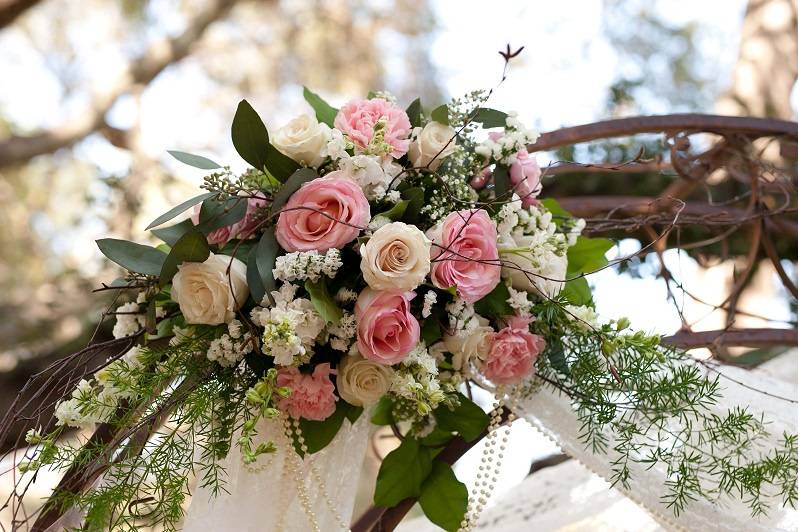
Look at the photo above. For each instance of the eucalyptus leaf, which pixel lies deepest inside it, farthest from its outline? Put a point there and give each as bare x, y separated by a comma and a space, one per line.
280, 165
174, 211
402, 473
415, 196
325, 305
216, 214
467, 419
396, 212
197, 161
291, 185
150, 322
324, 111
501, 183
556, 354
383, 412
441, 114
192, 247
414, 113
495, 304
490, 118
171, 234
256, 289
443, 498
250, 138
134, 257
265, 256
319, 434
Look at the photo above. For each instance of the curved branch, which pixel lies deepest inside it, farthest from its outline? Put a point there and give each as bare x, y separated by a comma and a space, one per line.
763, 337
141, 71
624, 127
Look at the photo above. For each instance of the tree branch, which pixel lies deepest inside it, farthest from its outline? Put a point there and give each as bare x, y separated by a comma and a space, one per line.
733, 337
139, 72
10, 10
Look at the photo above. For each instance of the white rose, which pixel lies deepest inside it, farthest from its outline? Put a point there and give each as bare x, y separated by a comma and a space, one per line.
429, 143
362, 382
303, 139
396, 257
206, 294
471, 346
540, 273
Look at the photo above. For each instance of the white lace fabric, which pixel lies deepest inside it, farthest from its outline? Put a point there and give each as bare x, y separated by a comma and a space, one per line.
264, 498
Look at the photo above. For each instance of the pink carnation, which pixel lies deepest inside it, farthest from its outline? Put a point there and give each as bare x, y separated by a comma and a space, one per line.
312, 396
386, 330
525, 177
465, 255
513, 353
325, 213
357, 118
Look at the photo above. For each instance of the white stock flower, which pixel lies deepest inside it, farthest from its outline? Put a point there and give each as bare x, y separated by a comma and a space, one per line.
303, 139
534, 268
396, 257
470, 346
374, 174
362, 382
435, 138
206, 293
583, 317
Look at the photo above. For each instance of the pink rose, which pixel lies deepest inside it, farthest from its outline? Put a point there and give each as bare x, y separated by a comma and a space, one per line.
357, 119
465, 255
324, 213
525, 177
247, 226
386, 330
513, 353
219, 236
312, 396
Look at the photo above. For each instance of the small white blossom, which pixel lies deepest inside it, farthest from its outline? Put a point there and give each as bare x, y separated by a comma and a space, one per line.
430, 298
343, 333
228, 350
130, 318
303, 265
337, 146
519, 301
583, 317
345, 295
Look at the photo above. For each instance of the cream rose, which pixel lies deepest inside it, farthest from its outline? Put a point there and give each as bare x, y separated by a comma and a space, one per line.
205, 292
472, 346
396, 257
533, 269
362, 382
429, 142
303, 139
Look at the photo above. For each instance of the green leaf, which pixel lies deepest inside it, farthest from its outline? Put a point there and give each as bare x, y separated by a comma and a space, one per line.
171, 234
192, 247
133, 257
495, 303
467, 419
554, 207
319, 434
150, 322
265, 256
431, 330
414, 113
402, 473
490, 117
351, 412
441, 114
250, 138
501, 183
437, 438
577, 292
556, 353
443, 498
238, 249
256, 289
197, 161
396, 212
280, 165
383, 412
587, 255
174, 211
216, 214
291, 185
415, 196
327, 308
324, 112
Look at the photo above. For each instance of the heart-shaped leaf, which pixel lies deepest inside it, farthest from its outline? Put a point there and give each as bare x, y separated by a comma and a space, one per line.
441, 114
402, 473
192, 247
250, 138
325, 112
443, 498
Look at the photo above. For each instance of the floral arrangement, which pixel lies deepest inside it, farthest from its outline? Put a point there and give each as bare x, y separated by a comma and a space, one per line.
379, 261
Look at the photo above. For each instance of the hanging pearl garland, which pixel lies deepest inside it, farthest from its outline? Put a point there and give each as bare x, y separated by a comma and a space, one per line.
490, 465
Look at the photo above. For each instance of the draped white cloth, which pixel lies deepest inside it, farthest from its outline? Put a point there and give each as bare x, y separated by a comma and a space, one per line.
265, 498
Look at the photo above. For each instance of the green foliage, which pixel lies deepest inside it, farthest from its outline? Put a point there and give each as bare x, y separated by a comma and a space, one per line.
415, 198
402, 473
501, 182
260, 264
325, 305
174, 211
171, 234
251, 141
192, 247
134, 257
215, 214
197, 161
587, 255
441, 114
318, 434
292, 184
325, 113
495, 304
383, 411
490, 118
414, 113
443, 498
467, 418
397, 211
